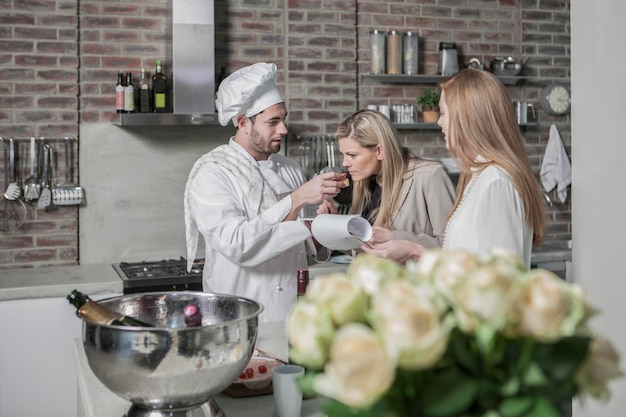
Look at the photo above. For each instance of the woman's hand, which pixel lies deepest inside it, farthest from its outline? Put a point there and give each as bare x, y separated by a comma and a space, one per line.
398, 250
327, 208
380, 235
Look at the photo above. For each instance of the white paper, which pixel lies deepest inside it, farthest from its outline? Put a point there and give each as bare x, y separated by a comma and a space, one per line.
335, 231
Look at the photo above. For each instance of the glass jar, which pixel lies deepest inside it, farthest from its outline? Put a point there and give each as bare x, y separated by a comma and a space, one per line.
394, 52
377, 52
410, 49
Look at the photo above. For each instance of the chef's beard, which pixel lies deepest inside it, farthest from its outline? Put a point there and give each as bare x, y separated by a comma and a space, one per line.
260, 144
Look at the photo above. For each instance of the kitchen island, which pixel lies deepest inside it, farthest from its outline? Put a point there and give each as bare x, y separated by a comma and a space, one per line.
96, 400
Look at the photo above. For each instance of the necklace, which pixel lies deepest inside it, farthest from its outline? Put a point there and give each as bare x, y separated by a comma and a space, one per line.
466, 191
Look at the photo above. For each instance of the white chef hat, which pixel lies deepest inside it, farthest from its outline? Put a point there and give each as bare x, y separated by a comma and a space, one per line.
247, 91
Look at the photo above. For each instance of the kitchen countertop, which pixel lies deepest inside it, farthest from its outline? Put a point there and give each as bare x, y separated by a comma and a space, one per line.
96, 400
58, 281
102, 279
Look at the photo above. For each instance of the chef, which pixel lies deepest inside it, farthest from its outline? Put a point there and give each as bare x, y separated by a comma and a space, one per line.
244, 199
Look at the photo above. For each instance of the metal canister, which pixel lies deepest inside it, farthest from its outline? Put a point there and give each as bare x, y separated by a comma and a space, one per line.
394, 52
377, 52
410, 50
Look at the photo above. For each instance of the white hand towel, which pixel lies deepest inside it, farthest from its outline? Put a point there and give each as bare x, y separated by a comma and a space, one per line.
556, 170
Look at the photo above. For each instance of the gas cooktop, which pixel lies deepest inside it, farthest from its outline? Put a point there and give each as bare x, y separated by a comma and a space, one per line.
169, 274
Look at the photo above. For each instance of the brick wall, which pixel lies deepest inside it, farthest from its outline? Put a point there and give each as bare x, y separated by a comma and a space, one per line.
59, 59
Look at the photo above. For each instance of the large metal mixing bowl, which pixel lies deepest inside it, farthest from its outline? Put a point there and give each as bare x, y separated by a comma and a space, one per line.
172, 367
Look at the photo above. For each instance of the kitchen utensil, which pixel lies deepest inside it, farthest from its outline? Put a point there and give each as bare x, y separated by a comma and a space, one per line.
46, 194
12, 212
173, 370
506, 66
448, 59
31, 185
522, 108
68, 193
13, 190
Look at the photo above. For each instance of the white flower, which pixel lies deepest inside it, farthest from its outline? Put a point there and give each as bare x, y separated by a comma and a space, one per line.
369, 271
452, 267
359, 372
548, 307
485, 297
411, 325
602, 365
345, 300
310, 331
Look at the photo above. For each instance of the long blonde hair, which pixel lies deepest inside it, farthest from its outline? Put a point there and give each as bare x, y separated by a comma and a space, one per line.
482, 119
371, 128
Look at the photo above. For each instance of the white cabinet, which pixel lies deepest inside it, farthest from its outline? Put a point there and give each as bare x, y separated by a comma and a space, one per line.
37, 364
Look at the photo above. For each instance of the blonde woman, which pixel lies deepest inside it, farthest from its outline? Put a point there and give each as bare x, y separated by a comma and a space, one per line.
498, 202
403, 196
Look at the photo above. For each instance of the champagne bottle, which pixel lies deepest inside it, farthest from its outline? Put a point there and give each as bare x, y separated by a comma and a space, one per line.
144, 93
129, 94
159, 89
91, 311
119, 93
303, 281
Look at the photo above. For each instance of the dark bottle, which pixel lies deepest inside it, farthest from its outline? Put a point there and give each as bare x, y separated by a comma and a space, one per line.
193, 316
303, 281
119, 93
159, 89
89, 310
129, 94
144, 93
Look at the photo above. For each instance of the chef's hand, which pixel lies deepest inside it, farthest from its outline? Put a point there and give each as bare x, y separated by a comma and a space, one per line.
380, 235
319, 188
398, 250
327, 207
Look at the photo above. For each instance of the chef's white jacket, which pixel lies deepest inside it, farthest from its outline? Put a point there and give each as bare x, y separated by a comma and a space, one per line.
491, 216
249, 250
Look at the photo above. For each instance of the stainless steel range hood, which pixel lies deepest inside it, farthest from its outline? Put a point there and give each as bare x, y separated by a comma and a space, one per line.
193, 69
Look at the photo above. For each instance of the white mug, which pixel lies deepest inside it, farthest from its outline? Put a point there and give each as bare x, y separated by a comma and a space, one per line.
287, 394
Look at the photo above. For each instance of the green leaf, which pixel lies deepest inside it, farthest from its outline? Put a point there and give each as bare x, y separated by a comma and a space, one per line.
511, 387
562, 359
534, 376
306, 384
462, 350
544, 408
516, 406
449, 395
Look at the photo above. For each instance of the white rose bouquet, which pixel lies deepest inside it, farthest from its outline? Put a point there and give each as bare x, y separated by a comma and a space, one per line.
450, 336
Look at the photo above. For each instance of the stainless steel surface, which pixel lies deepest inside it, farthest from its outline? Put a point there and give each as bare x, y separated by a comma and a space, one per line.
193, 45
172, 367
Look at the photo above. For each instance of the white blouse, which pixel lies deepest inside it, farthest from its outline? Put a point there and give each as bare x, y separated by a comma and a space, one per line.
490, 216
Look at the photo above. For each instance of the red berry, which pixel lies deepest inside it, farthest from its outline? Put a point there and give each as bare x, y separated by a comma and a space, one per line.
262, 369
242, 375
249, 372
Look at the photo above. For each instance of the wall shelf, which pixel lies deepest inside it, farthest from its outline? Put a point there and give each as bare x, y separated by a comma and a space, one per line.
165, 119
426, 79
417, 126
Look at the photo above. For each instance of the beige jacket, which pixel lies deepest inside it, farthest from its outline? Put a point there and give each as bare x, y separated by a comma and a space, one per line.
426, 199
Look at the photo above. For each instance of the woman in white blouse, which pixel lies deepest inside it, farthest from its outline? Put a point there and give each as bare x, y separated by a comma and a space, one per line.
498, 202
